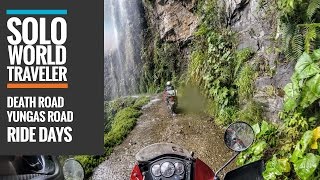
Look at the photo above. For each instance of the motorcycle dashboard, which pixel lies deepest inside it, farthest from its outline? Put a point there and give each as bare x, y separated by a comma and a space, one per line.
168, 168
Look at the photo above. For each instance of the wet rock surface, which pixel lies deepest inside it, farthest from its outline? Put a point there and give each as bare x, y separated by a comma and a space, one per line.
194, 132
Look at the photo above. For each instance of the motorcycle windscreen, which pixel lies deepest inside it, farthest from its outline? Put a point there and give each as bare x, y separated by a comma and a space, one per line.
155, 150
252, 171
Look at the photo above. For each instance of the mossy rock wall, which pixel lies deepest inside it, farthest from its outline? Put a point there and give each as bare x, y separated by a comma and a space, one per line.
255, 24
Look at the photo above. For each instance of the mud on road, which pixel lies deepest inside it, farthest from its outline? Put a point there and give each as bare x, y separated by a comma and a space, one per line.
194, 132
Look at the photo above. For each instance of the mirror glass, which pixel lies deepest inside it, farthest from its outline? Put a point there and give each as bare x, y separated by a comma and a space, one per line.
73, 170
239, 136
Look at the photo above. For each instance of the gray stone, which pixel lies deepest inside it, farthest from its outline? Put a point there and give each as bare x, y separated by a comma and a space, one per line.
283, 74
255, 24
174, 20
262, 82
272, 105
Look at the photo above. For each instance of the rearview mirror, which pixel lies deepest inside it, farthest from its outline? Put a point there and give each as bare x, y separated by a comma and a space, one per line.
73, 170
239, 136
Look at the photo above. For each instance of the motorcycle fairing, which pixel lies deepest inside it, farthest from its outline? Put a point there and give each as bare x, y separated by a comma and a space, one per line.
159, 149
202, 171
136, 173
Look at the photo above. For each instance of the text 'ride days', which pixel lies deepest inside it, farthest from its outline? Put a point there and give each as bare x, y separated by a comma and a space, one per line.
37, 60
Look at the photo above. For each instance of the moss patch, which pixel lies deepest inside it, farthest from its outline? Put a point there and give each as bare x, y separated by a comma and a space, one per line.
121, 116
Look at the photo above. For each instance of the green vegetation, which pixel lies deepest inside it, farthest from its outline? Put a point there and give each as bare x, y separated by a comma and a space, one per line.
291, 148
111, 108
298, 134
225, 76
300, 26
123, 123
244, 82
211, 68
242, 56
303, 161
222, 72
161, 64
296, 154
140, 102
251, 112
304, 88
264, 136
120, 116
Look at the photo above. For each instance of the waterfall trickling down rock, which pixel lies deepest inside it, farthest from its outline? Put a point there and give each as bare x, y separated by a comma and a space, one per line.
123, 28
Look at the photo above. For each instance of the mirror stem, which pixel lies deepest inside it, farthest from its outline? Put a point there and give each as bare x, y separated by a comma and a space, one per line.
216, 177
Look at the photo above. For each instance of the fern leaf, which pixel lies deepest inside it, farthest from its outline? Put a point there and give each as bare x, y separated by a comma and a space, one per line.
312, 7
310, 36
287, 30
296, 47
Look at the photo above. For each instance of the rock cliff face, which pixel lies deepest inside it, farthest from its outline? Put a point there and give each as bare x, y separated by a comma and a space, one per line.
174, 19
254, 21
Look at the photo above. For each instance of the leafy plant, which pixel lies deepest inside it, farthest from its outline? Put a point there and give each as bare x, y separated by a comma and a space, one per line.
123, 123
242, 56
276, 167
297, 142
161, 64
245, 82
306, 166
303, 160
313, 6
140, 102
265, 137
299, 25
315, 137
291, 130
254, 153
251, 112
226, 115
305, 86
215, 68
310, 34
211, 69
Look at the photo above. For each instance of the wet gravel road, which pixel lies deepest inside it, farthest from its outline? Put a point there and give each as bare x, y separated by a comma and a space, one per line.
194, 132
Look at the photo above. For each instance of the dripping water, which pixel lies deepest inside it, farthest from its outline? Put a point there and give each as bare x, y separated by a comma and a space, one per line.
123, 28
